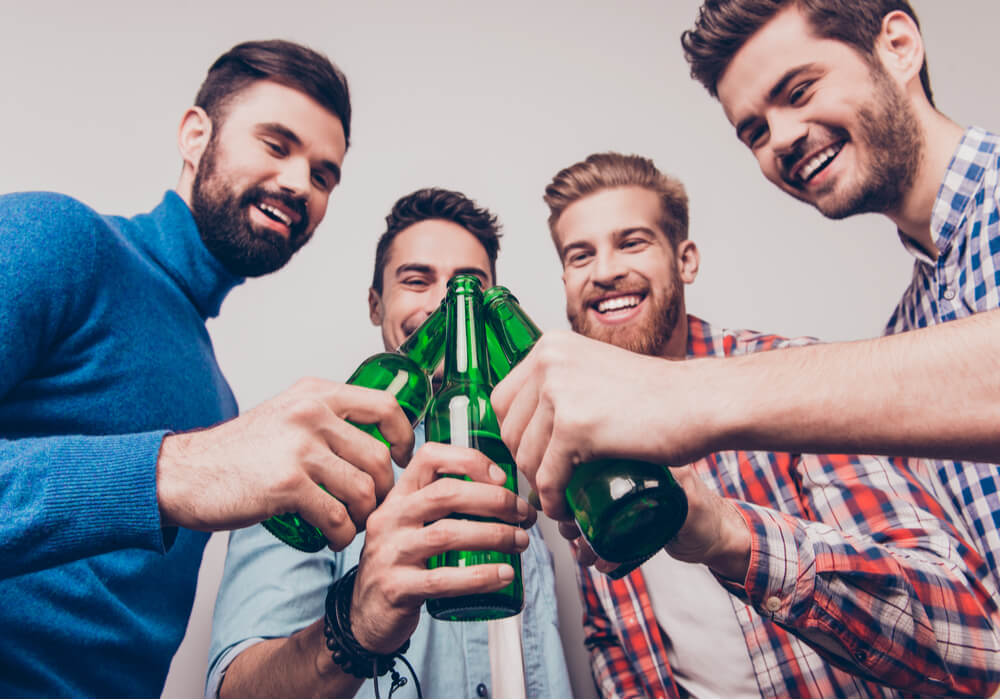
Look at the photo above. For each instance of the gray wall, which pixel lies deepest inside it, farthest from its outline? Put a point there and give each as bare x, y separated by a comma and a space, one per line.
488, 98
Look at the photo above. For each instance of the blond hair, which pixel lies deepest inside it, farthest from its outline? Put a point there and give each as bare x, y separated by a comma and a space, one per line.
601, 171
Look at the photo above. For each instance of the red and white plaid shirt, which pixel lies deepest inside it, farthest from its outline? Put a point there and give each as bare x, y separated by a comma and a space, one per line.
849, 553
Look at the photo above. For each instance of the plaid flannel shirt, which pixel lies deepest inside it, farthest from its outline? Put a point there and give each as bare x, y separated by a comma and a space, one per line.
965, 279
857, 582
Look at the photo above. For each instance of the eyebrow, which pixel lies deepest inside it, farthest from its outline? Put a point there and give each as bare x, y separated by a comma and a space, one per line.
775, 91
428, 270
290, 136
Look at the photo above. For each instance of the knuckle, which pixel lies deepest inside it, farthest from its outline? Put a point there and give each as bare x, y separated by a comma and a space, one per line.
439, 535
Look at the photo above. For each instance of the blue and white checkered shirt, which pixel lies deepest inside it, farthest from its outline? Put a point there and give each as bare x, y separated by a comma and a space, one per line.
964, 280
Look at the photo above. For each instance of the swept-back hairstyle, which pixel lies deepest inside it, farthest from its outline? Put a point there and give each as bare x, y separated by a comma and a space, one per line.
601, 171
437, 203
279, 61
723, 26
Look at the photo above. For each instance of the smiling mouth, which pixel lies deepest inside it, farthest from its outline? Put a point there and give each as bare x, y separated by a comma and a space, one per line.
610, 305
817, 163
275, 214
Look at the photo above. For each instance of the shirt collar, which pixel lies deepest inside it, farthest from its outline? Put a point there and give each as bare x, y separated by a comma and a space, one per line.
170, 236
972, 158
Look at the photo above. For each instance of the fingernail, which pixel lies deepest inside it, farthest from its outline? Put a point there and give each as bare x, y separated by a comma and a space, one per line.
506, 572
521, 538
523, 509
497, 474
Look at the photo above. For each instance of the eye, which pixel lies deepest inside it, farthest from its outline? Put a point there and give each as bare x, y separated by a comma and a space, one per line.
276, 148
634, 244
756, 135
414, 282
577, 258
798, 92
322, 181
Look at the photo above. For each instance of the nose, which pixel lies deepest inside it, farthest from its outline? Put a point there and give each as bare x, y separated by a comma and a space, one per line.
608, 268
432, 300
787, 133
294, 176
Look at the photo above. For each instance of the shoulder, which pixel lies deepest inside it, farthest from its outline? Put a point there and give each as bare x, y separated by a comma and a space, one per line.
47, 227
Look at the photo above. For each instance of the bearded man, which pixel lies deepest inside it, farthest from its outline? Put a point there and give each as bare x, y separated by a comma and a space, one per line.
794, 575
110, 477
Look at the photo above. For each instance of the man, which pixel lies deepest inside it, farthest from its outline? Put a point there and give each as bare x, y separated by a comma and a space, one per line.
793, 575
834, 101
109, 383
267, 635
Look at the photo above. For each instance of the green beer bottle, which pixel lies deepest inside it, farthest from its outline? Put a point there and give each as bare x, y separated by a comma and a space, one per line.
461, 414
626, 509
405, 374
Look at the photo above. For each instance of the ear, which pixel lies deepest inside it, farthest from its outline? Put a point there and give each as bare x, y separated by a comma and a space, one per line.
688, 261
193, 136
901, 48
375, 308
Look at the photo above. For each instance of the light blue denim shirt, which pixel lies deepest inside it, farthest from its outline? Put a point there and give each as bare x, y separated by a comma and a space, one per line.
270, 590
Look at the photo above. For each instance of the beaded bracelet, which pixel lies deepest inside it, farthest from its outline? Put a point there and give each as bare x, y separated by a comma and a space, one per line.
340, 640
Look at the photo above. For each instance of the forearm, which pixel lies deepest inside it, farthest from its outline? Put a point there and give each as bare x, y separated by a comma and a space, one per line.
71, 497
900, 607
931, 392
295, 666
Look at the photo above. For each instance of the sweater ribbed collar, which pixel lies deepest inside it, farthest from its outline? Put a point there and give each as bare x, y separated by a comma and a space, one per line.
170, 236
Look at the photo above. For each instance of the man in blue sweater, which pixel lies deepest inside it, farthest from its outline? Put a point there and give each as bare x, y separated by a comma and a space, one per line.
107, 361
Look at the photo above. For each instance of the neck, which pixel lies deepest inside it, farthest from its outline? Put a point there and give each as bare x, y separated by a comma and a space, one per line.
941, 137
676, 347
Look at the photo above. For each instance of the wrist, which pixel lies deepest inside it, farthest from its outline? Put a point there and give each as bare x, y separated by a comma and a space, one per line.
730, 557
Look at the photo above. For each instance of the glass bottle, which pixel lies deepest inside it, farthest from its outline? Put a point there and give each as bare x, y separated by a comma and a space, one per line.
405, 374
626, 509
461, 414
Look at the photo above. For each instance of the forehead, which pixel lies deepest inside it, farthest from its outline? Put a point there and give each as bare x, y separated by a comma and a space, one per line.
784, 43
439, 245
267, 102
604, 213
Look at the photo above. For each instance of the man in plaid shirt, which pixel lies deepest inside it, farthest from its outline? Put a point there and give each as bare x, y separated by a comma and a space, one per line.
834, 100
793, 575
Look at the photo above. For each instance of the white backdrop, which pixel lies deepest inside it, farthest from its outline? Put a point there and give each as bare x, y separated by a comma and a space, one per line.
491, 99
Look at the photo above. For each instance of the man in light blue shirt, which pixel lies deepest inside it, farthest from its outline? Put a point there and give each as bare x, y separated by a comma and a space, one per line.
267, 635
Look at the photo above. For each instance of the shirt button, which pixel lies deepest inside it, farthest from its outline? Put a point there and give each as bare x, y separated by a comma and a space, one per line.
949, 294
773, 604
481, 690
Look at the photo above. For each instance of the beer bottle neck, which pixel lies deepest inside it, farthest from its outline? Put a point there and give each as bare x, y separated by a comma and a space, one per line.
466, 360
515, 331
425, 346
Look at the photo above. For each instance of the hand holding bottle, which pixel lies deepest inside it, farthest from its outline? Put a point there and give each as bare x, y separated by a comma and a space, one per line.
272, 459
393, 580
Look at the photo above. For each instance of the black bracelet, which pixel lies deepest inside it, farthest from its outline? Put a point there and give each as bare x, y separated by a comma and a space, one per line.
340, 640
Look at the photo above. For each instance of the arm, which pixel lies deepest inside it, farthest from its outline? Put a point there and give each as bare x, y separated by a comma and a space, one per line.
393, 581
613, 673
874, 577
930, 392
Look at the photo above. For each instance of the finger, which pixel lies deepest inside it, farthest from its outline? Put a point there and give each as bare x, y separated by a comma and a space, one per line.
569, 529
604, 566
584, 554
450, 581
520, 410
504, 392
353, 487
456, 534
325, 512
553, 477
373, 407
448, 495
359, 449
435, 459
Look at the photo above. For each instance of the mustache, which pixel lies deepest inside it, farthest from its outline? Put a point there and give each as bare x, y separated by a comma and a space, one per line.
258, 193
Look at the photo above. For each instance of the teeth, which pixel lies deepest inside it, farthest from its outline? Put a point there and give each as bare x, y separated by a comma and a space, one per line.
276, 213
618, 303
818, 161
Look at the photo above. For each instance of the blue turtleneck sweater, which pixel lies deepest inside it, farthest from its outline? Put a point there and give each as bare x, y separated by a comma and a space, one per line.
103, 350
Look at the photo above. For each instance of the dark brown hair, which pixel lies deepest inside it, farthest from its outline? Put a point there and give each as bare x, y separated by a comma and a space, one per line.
283, 62
437, 203
723, 26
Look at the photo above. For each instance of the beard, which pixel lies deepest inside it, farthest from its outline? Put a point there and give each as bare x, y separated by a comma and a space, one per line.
888, 127
648, 334
223, 219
